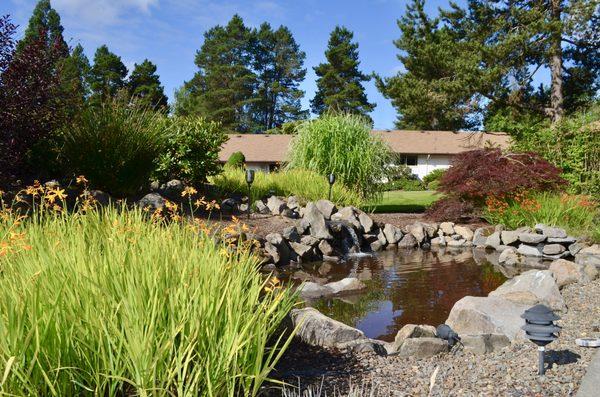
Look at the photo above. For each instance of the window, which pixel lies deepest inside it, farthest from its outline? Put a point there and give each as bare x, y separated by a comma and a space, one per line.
408, 159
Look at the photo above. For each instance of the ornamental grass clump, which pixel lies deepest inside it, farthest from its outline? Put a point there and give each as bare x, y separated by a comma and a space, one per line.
111, 304
342, 144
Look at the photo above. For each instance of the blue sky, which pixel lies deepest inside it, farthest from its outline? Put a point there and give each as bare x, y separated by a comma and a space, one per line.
168, 32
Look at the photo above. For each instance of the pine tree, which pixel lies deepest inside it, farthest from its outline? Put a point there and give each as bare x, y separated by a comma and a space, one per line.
339, 81
144, 85
278, 63
222, 89
45, 20
107, 75
74, 75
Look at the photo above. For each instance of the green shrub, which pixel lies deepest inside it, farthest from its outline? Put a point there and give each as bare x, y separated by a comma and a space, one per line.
236, 160
343, 145
432, 180
578, 214
115, 146
192, 150
404, 184
307, 185
109, 304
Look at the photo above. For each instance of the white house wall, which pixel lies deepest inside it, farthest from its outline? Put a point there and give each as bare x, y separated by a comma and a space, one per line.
263, 167
427, 163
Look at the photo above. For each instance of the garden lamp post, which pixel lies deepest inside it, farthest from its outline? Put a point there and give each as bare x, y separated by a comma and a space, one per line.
331, 182
249, 180
540, 329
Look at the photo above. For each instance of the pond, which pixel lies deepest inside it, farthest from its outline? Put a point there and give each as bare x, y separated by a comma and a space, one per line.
405, 287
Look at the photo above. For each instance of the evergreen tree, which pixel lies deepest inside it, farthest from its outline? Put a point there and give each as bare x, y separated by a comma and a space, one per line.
144, 85
107, 75
222, 89
74, 74
45, 20
278, 63
339, 81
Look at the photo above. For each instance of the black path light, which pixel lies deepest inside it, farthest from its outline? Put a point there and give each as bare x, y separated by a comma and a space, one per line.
249, 180
444, 331
540, 329
331, 182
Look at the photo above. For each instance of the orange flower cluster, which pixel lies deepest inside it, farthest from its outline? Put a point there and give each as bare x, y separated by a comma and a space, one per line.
496, 205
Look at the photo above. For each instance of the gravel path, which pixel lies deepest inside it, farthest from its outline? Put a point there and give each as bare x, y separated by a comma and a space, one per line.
510, 372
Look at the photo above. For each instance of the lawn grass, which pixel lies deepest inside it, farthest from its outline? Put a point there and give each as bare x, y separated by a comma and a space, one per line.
404, 201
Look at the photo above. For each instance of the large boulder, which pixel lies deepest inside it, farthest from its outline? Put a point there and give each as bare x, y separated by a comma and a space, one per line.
411, 331
447, 228
408, 241
589, 256
540, 283
366, 222
531, 238
276, 205
509, 237
553, 249
277, 247
261, 207
529, 250
304, 252
348, 215
172, 189
423, 347
392, 233
346, 285
316, 220
487, 315
326, 248
509, 257
312, 290
326, 207
290, 233
152, 202
316, 329
464, 231
480, 237
293, 203
550, 232
493, 241
484, 343
566, 272
417, 231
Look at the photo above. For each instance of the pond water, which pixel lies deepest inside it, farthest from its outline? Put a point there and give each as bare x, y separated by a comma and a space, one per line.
405, 287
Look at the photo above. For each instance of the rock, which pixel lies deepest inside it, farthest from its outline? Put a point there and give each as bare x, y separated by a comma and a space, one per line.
309, 240
567, 272
326, 207
288, 213
408, 241
326, 248
277, 247
417, 231
509, 257
589, 255
152, 202
347, 214
509, 237
366, 222
375, 246
553, 249
363, 346
487, 315
316, 220
392, 233
484, 343
550, 232
411, 331
565, 240
316, 329
541, 283
381, 238
447, 228
591, 271
293, 203
464, 231
493, 240
349, 284
480, 237
531, 238
290, 233
456, 243
529, 250
523, 297
303, 226
229, 204
431, 229
172, 189
423, 347
575, 248
100, 198
276, 205
591, 250
311, 290
304, 252
438, 241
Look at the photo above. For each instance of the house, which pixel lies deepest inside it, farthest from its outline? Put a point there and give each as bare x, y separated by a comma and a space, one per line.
422, 151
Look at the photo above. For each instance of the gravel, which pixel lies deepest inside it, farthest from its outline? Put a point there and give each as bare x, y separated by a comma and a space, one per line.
509, 372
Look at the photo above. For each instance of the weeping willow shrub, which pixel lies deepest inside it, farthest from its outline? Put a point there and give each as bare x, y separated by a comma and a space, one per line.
342, 144
110, 304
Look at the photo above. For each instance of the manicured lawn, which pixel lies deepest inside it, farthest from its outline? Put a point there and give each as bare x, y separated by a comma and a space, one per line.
404, 201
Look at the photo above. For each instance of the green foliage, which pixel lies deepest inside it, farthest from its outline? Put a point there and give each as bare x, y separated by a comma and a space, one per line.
307, 185
114, 146
45, 20
236, 160
578, 214
144, 85
432, 180
343, 145
110, 304
107, 76
408, 184
192, 149
339, 81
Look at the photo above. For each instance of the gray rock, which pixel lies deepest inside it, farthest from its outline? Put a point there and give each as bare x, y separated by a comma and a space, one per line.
423, 347
152, 202
375, 246
493, 240
509, 257
456, 243
326, 248
309, 240
447, 228
531, 238
290, 233
487, 315
464, 231
431, 229
229, 204
548, 231
278, 248
567, 272
261, 207
589, 256
417, 231
539, 283
480, 237
553, 249
316, 220
293, 203
366, 222
311, 290
484, 343
392, 233
565, 240
408, 241
347, 214
591, 271
100, 198
438, 241
346, 285
591, 250
575, 248
509, 237
304, 252
381, 238
276, 205
288, 213
326, 207
172, 189
316, 329
529, 250
411, 331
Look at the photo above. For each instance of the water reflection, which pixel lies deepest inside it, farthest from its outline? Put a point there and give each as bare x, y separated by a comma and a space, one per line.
404, 287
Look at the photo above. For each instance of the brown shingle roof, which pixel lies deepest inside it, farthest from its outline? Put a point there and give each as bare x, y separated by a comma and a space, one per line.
268, 148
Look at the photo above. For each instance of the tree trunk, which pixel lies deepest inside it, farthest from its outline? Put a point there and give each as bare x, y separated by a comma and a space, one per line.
556, 98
